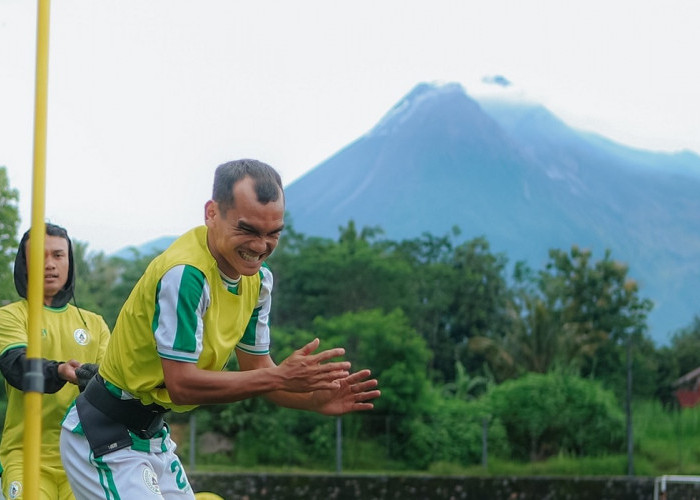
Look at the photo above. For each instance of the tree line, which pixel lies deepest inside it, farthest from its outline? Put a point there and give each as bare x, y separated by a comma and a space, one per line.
458, 336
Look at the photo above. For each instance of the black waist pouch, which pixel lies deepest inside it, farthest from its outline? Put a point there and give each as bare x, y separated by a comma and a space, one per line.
103, 433
106, 420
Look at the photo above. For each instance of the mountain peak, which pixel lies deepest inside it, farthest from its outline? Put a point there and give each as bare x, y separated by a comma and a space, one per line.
426, 89
415, 101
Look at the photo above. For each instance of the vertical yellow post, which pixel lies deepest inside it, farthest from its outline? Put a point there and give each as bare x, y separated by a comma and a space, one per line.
33, 378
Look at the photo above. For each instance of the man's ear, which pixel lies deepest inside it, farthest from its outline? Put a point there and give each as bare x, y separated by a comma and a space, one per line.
211, 210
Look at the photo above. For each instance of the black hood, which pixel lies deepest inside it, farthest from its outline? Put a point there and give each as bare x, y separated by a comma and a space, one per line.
64, 295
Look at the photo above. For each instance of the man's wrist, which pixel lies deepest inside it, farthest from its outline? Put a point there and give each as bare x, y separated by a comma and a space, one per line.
60, 375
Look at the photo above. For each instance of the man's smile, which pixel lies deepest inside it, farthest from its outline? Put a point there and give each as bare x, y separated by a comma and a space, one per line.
250, 257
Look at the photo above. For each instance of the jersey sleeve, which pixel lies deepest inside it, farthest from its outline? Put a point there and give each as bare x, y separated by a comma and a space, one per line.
13, 328
256, 339
182, 298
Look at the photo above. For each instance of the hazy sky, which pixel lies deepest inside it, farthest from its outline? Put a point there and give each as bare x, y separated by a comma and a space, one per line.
147, 97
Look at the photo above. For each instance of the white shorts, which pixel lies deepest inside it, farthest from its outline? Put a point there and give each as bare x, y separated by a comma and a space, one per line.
123, 474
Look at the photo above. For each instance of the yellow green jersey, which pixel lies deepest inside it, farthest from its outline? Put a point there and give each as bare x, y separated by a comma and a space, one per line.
66, 333
184, 309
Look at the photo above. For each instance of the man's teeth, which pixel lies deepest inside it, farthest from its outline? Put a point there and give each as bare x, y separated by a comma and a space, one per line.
249, 256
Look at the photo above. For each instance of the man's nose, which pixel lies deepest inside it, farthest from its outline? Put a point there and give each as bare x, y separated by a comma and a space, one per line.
259, 244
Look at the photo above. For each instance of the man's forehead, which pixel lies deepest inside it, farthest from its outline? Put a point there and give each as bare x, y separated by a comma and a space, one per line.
57, 241
53, 243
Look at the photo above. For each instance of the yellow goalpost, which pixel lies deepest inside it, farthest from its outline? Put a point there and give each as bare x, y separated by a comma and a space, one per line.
33, 378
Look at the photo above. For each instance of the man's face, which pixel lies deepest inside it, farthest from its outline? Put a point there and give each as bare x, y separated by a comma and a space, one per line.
246, 235
55, 265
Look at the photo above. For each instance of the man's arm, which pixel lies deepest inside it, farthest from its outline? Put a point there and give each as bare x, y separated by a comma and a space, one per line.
302, 379
56, 373
302, 372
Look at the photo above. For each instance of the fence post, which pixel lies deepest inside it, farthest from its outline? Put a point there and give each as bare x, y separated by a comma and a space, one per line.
485, 442
193, 439
338, 445
628, 409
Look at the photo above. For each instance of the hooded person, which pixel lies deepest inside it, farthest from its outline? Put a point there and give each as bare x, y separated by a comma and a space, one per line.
71, 338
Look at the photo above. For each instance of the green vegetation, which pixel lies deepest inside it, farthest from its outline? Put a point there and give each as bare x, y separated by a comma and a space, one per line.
9, 223
666, 442
462, 341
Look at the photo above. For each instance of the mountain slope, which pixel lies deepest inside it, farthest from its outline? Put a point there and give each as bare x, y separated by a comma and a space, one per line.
516, 174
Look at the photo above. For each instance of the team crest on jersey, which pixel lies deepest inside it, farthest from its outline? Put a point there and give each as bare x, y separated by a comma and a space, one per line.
151, 481
15, 490
81, 336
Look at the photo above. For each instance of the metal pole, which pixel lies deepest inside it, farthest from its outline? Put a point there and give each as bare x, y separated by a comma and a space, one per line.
338, 445
193, 439
33, 382
485, 443
630, 438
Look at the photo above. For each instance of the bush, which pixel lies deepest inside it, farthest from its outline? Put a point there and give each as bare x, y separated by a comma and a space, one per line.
452, 431
545, 415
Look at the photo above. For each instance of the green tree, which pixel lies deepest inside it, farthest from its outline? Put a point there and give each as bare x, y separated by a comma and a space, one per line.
9, 224
480, 296
87, 294
463, 294
386, 344
599, 309
596, 300
531, 345
546, 414
432, 278
319, 277
575, 315
480, 292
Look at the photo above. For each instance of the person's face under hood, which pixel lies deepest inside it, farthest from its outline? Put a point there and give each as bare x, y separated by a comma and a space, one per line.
55, 266
58, 283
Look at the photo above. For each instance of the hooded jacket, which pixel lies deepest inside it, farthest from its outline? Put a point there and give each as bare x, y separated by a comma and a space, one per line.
13, 361
66, 293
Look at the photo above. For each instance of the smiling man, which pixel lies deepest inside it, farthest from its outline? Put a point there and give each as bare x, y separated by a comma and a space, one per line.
67, 333
206, 296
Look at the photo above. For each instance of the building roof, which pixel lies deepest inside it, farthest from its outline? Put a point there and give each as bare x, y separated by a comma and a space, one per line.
688, 377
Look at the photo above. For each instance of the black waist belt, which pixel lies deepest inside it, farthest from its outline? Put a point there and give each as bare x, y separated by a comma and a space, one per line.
142, 420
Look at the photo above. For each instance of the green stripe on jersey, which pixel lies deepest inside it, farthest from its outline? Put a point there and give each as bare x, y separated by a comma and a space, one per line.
249, 334
262, 276
156, 313
189, 296
250, 330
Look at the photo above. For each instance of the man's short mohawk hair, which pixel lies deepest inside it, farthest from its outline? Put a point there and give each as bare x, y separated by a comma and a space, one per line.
268, 183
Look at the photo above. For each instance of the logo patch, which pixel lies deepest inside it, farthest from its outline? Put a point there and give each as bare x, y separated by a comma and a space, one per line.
81, 336
15, 489
150, 480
